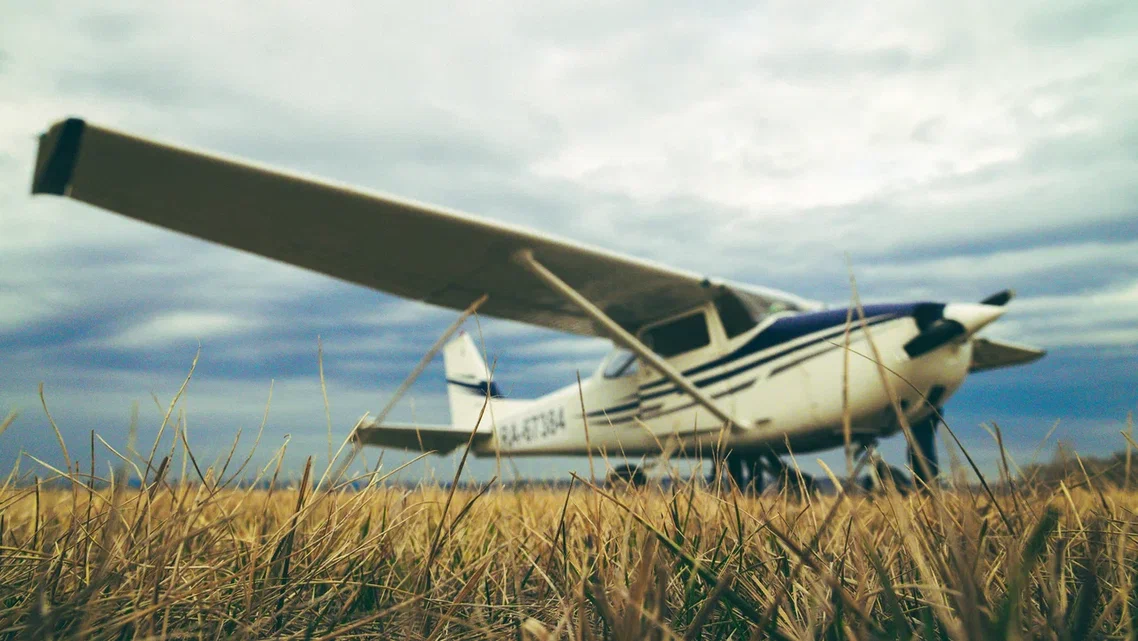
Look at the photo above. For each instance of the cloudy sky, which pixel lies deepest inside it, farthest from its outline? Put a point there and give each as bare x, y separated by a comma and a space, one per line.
948, 151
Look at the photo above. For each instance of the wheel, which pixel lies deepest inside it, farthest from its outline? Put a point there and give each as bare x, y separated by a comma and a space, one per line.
626, 475
736, 468
889, 474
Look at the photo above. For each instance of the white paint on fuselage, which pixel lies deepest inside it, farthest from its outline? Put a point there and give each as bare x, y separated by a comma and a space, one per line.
796, 397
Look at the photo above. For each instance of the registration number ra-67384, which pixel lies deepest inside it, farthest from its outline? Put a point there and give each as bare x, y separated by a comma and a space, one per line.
535, 427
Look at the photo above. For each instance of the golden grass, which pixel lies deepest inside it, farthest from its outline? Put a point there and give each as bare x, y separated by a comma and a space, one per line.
194, 560
83, 557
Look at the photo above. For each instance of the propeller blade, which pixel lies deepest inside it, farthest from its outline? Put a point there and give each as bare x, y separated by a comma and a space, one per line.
957, 320
999, 298
939, 333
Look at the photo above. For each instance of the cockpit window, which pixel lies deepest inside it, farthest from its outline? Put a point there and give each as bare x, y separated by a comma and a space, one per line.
678, 336
620, 363
735, 317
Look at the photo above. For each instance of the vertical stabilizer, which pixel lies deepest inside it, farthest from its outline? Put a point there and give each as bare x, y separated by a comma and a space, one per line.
469, 383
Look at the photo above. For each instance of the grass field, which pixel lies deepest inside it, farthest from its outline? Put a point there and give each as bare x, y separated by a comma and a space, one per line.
210, 560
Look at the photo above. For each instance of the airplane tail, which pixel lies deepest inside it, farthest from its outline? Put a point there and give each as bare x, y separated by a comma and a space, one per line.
469, 383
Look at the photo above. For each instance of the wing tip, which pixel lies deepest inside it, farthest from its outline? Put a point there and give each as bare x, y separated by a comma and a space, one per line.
58, 153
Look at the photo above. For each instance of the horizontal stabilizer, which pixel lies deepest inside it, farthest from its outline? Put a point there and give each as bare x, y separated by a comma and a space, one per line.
417, 438
990, 354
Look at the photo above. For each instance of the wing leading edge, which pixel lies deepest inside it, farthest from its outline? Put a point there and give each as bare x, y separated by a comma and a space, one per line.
402, 247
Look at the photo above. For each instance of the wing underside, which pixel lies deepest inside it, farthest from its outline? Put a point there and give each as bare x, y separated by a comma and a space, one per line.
398, 246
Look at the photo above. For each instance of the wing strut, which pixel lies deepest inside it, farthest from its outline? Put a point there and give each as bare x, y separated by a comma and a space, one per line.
621, 336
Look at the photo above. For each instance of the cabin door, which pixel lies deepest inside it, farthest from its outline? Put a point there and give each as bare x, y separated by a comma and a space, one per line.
686, 342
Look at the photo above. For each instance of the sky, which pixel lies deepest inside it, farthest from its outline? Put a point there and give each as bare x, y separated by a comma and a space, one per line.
934, 152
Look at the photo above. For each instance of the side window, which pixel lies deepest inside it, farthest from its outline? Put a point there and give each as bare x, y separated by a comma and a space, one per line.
679, 336
622, 363
734, 315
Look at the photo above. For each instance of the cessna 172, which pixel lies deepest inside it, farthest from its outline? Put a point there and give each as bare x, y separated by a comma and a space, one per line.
707, 364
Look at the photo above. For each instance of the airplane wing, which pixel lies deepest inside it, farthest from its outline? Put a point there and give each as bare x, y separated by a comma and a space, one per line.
992, 354
398, 246
419, 438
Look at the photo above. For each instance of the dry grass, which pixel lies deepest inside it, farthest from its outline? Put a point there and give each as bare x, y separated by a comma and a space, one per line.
207, 560
87, 557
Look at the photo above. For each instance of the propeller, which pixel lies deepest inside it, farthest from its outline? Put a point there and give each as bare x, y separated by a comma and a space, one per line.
999, 298
938, 333
942, 324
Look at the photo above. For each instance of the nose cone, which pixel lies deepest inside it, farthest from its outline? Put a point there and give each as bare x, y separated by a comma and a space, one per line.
973, 316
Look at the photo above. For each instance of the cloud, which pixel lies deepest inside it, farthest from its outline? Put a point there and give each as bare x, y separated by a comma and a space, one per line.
947, 151
180, 326
1102, 318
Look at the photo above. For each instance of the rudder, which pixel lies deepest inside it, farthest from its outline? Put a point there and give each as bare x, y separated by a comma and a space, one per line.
468, 383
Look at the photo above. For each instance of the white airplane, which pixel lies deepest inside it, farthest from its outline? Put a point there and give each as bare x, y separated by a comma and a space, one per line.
700, 365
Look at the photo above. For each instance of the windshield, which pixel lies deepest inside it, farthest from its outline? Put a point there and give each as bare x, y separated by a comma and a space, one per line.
619, 363
740, 313
760, 306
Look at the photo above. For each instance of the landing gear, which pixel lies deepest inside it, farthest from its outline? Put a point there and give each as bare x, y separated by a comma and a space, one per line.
891, 475
731, 462
630, 474
750, 472
922, 451
792, 480
755, 482
736, 469
922, 459
740, 470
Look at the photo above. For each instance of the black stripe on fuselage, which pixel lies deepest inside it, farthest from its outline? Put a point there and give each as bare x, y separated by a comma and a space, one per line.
652, 412
793, 327
711, 380
798, 361
616, 409
835, 317
481, 388
728, 392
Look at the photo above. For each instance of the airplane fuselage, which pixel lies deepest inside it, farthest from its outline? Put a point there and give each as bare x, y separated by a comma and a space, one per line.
788, 381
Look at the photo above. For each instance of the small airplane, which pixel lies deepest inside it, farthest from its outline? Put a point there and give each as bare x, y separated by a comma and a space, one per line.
700, 366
